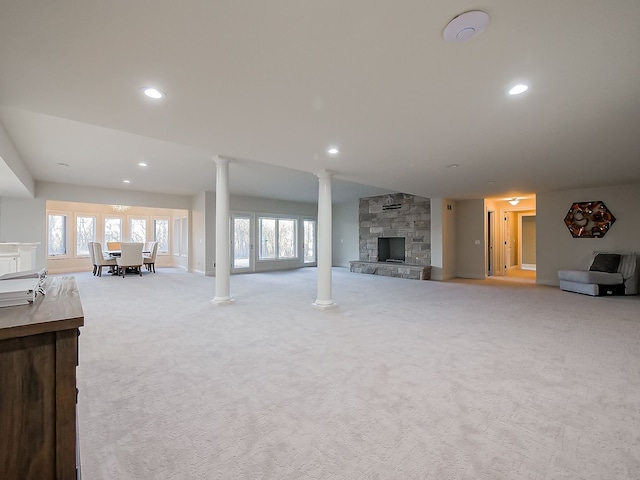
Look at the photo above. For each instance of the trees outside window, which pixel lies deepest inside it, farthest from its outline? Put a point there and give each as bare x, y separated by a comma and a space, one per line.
278, 238
161, 234
85, 233
138, 230
309, 241
57, 235
112, 229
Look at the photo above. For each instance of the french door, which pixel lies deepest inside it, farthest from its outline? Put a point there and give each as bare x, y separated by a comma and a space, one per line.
242, 228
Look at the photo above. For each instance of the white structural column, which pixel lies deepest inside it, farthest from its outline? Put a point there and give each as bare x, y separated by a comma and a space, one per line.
223, 236
325, 261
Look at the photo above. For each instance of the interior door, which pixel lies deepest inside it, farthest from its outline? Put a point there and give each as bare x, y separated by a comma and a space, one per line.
490, 242
242, 242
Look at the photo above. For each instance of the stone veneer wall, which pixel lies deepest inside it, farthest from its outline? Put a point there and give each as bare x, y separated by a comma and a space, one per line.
411, 221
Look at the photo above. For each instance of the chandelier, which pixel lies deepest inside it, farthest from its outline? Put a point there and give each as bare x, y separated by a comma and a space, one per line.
120, 208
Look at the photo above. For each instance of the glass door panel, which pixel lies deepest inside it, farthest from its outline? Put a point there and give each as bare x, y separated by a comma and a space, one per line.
242, 242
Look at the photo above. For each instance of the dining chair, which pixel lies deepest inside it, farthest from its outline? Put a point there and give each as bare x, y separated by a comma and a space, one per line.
150, 259
93, 262
113, 245
99, 259
130, 257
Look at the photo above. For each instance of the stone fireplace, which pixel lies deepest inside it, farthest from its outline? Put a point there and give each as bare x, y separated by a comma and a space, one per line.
391, 249
395, 236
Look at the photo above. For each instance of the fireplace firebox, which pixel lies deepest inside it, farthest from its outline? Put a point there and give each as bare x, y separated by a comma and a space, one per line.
391, 249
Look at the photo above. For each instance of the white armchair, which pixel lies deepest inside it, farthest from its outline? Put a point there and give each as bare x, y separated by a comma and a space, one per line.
150, 260
91, 254
99, 259
130, 257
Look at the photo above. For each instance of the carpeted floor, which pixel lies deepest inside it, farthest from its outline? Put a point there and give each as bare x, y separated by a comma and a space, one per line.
404, 380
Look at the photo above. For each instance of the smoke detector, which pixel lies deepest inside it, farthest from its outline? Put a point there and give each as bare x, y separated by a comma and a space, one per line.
466, 26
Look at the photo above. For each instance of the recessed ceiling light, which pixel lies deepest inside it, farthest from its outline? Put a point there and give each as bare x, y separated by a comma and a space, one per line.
152, 92
142, 164
62, 164
518, 89
333, 151
126, 181
453, 165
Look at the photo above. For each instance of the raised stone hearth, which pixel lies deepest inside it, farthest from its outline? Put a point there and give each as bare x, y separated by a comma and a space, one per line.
390, 269
398, 215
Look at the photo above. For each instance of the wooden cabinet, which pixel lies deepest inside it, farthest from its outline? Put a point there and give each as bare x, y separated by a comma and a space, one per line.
38, 359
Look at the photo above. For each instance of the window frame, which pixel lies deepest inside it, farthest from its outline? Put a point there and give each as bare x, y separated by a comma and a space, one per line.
130, 219
75, 233
167, 219
104, 229
277, 257
67, 233
315, 241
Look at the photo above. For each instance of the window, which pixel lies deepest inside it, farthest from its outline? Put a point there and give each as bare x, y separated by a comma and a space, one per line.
267, 238
112, 229
309, 241
85, 233
57, 235
161, 234
287, 239
138, 230
278, 239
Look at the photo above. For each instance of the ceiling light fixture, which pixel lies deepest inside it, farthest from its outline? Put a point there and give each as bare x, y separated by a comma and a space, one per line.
518, 89
152, 92
514, 201
465, 26
333, 151
126, 181
453, 165
120, 208
142, 164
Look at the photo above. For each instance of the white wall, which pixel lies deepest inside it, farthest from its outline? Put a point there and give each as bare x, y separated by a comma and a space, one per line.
24, 220
198, 250
558, 250
84, 194
443, 239
470, 238
9, 155
345, 231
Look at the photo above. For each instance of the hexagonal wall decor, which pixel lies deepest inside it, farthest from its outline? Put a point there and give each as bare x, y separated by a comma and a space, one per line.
589, 219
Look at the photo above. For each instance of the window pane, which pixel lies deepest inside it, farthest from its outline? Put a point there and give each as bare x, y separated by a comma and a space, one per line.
139, 230
267, 238
161, 234
57, 235
85, 233
241, 242
309, 244
112, 230
287, 238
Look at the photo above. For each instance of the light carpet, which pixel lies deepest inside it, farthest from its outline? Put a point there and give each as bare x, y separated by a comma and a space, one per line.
404, 380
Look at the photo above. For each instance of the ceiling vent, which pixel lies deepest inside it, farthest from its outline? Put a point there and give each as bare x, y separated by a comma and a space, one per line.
466, 26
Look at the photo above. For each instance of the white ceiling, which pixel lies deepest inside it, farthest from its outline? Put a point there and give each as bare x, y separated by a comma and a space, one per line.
274, 84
